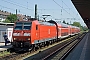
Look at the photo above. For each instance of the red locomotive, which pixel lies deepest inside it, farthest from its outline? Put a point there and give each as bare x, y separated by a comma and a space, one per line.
28, 34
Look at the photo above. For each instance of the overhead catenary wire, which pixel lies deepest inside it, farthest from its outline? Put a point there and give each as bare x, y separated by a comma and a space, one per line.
68, 7
11, 9
16, 4
7, 8
13, 3
26, 6
61, 7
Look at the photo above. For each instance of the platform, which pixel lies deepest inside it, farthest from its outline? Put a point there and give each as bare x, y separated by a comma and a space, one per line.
82, 50
3, 47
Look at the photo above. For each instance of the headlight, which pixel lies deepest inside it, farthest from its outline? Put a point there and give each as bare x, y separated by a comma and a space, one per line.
26, 34
28, 39
14, 38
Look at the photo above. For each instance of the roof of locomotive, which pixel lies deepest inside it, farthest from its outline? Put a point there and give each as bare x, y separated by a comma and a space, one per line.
46, 23
51, 24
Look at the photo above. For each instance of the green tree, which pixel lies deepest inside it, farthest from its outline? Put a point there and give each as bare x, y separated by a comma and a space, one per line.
84, 28
78, 25
7, 21
11, 18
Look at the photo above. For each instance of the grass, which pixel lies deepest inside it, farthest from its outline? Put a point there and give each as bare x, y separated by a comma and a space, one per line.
4, 53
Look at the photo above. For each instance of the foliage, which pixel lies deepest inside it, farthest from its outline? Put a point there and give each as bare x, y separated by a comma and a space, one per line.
76, 24
4, 53
84, 28
79, 25
11, 18
7, 21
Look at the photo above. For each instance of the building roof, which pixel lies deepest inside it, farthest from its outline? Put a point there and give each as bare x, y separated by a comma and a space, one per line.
4, 13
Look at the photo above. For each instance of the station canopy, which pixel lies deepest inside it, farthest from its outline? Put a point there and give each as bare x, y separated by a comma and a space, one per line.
83, 7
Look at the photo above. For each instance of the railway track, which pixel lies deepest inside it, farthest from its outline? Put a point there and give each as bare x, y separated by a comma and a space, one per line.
49, 53
62, 52
42, 53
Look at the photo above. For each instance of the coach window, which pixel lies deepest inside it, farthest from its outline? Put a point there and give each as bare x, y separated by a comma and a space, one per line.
36, 27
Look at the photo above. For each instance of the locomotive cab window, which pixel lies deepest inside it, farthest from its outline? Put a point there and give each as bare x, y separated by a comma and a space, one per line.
27, 26
18, 26
23, 25
36, 27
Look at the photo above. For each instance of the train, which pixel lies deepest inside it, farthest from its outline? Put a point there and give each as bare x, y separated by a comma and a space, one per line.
28, 34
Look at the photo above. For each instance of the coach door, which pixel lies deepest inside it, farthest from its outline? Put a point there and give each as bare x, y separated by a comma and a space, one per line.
37, 32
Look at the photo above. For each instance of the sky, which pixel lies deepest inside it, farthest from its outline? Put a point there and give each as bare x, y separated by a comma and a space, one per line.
57, 9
